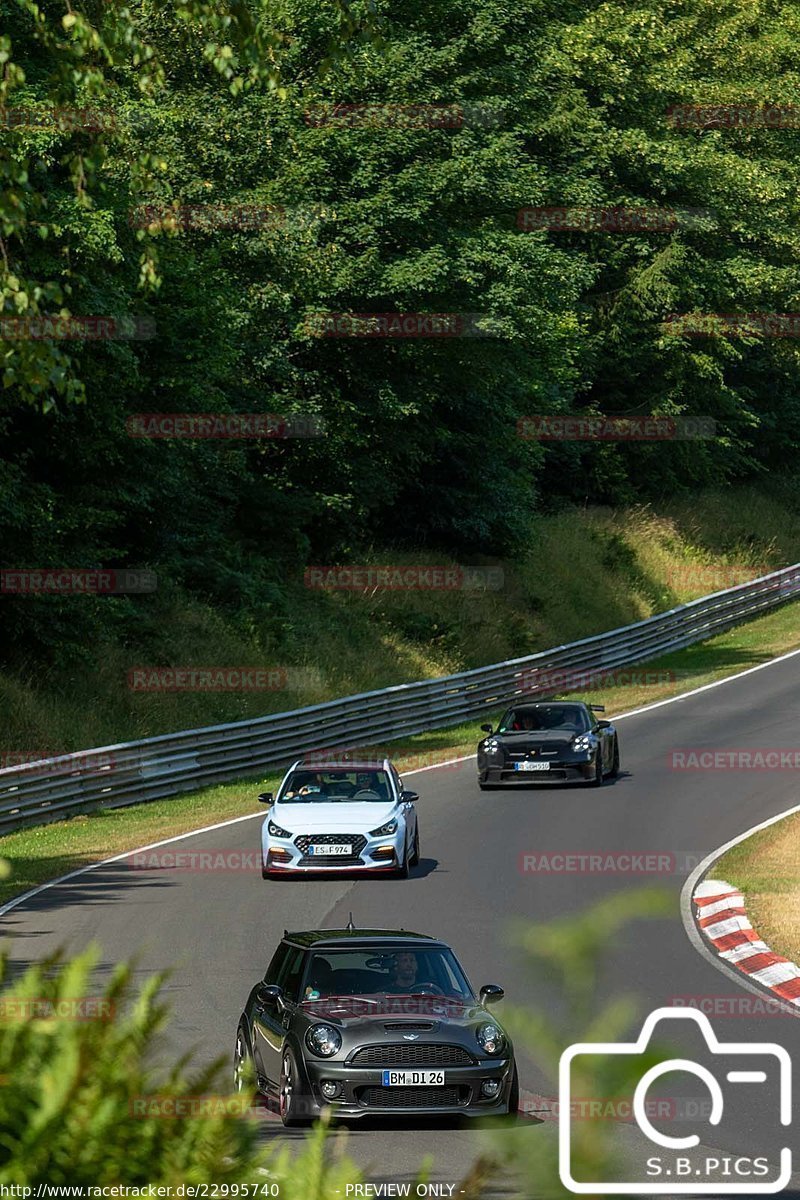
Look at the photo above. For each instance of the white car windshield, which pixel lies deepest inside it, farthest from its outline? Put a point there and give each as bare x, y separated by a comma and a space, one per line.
327, 787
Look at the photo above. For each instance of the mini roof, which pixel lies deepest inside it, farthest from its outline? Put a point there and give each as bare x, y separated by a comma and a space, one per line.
332, 937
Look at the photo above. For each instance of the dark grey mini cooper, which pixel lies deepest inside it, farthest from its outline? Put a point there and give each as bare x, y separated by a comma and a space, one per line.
373, 1022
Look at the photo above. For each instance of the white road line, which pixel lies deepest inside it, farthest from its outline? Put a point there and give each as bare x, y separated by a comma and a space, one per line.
43, 887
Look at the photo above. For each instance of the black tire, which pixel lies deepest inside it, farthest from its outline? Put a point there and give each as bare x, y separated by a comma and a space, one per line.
615, 760
597, 778
513, 1095
288, 1095
244, 1074
403, 870
415, 851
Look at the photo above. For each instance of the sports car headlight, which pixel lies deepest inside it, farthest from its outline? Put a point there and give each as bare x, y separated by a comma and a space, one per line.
490, 1038
385, 830
276, 830
491, 745
584, 742
323, 1040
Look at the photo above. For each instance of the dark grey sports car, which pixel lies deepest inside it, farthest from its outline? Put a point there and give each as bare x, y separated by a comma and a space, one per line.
369, 1022
548, 742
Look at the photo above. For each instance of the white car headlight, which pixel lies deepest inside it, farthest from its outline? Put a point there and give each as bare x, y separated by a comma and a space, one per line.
276, 830
323, 1040
385, 830
490, 1038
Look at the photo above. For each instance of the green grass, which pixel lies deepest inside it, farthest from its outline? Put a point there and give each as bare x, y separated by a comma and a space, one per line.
585, 571
766, 868
48, 851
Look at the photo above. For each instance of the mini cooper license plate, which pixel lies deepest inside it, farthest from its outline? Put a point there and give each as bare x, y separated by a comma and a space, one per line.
532, 766
413, 1078
342, 849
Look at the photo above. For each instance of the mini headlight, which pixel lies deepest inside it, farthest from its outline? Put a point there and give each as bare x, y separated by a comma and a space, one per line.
389, 827
490, 1038
276, 830
323, 1040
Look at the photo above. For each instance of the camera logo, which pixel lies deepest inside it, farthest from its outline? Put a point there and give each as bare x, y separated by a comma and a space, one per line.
672, 1170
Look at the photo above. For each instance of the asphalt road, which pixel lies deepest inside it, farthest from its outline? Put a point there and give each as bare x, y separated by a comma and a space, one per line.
217, 929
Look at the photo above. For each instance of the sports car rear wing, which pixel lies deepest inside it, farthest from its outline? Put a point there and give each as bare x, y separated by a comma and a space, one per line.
597, 707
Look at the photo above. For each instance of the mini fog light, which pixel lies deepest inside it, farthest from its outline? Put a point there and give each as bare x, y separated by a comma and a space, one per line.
490, 1087
329, 1089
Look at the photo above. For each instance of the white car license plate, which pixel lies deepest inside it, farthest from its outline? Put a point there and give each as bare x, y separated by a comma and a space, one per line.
532, 766
344, 849
413, 1078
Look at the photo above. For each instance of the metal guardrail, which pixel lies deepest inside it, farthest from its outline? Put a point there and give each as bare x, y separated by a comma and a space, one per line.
158, 767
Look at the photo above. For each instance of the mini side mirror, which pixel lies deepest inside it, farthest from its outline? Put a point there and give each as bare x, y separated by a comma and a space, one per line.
270, 993
267, 798
410, 797
487, 729
491, 993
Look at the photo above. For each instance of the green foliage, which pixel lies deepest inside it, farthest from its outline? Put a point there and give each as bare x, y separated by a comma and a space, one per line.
568, 954
206, 104
73, 1091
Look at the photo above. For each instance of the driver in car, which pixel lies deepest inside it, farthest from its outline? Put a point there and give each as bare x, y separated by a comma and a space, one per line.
405, 972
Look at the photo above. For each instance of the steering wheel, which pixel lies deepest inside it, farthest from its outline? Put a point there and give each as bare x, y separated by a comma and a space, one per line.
429, 989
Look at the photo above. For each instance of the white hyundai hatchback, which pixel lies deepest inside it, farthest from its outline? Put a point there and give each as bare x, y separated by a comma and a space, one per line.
330, 817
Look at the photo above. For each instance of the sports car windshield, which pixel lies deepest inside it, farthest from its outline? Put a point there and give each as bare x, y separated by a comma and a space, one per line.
379, 972
326, 787
571, 718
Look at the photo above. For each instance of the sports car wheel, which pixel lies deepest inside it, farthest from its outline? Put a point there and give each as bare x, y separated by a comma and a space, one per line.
597, 778
243, 1068
402, 871
615, 760
415, 851
289, 1098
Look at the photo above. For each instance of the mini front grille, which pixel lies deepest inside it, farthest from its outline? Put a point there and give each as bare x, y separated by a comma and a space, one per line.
412, 1054
412, 1097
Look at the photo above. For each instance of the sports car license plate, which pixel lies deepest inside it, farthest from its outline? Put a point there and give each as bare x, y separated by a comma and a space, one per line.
345, 849
413, 1078
532, 766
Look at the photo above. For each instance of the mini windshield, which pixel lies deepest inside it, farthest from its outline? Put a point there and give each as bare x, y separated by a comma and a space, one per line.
570, 718
379, 972
352, 787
